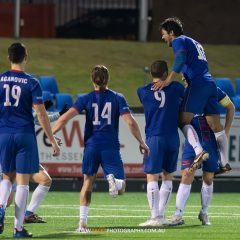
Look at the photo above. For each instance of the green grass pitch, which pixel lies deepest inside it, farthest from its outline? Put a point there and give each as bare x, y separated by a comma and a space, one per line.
118, 218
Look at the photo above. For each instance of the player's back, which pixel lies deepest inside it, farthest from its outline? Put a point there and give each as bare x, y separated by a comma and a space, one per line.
161, 109
17, 93
196, 65
102, 117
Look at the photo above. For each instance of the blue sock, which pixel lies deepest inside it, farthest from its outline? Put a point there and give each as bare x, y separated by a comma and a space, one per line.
27, 213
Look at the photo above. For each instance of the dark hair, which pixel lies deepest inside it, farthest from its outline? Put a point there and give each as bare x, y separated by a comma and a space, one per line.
100, 75
159, 68
172, 24
17, 52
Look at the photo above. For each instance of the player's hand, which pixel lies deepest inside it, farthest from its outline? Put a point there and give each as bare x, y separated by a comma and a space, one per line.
58, 140
48, 104
64, 109
56, 149
159, 85
144, 149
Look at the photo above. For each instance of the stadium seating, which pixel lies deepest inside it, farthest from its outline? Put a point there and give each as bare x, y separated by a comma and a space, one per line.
49, 83
226, 85
238, 87
62, 99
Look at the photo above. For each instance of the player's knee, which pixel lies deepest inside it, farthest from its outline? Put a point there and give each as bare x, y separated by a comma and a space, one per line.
46, 181
208, 180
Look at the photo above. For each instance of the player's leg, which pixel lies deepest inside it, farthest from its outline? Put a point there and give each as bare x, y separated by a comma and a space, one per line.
44, 181
206, 197
221, 138
85, 200
113, 170
7, 161
27, 163
169, 166
185, 184
209, 168
182, 196
194, 102
90, 165
165, 192
5, 192
153, 168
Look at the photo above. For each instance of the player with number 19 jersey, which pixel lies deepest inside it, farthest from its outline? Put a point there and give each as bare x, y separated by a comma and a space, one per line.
161, 109
18, 92
101, 131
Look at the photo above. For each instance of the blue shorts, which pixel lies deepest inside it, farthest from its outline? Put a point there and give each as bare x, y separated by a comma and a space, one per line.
163, 154
110, 161
211, 165
19, 153
199, 99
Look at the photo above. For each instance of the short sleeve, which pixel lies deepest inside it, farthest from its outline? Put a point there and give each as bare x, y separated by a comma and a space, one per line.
179, 45
80, 103
37, 96
223, 98
123, 106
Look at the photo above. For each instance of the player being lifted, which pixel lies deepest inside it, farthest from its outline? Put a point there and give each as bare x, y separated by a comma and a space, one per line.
103, 108
161, 109
201, 94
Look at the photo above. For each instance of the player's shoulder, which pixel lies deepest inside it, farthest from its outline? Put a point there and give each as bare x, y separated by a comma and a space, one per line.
177, 85
145, 88
113, 93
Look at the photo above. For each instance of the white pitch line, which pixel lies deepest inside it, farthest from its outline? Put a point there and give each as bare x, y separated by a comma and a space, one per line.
130, 216
131, 206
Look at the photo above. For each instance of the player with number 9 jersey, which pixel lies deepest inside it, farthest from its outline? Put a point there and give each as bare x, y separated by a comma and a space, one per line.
161, 110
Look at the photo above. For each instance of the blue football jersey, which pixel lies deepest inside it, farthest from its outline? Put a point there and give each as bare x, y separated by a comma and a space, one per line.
161, 109
195, 68
102, 117
18, 92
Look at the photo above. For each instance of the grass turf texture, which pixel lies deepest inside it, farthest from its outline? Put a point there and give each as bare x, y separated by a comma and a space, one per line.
71, 61
61, 211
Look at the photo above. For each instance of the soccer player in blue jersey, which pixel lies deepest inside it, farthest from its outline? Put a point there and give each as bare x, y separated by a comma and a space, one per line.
19, 92
42, 178
210, 167
103, 107
201, 94
161, 109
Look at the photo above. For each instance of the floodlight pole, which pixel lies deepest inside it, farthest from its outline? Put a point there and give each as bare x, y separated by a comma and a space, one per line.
17, 19
143, 21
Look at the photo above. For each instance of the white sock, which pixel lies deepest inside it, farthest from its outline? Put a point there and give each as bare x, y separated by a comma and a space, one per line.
222, 142
37, 197
182, 197
20, 205
192, 137
5, 191
119, 183
83, 215
164, 194
153, 198
206, 196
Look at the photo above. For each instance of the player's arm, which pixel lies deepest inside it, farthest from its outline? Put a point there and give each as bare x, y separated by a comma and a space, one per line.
134, 129
228, 104
63, 120
45, 124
